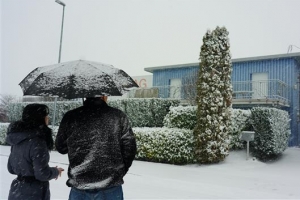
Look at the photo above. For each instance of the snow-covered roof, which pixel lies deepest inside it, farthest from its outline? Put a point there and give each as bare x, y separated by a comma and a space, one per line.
268, 57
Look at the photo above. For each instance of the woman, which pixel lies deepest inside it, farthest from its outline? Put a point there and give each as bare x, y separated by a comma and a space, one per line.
31, 140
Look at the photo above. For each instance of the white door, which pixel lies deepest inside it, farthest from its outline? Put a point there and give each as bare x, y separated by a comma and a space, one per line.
175, 88
260, 85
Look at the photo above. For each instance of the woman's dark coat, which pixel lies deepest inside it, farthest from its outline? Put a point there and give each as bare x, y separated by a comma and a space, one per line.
29, 157
100, 144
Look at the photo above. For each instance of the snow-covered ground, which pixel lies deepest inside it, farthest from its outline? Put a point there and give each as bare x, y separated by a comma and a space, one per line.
235, 178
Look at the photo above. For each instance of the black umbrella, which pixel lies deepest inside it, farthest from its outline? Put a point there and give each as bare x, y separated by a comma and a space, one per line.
77, 79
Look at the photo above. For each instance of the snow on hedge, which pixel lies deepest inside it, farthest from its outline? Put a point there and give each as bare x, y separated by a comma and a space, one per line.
181, 117
176, 145
239, 122
165, 145
3, 130
15, 109
272, 131
142, 112
185, 117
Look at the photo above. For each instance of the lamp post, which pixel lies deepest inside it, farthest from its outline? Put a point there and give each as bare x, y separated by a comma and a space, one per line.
59, 56
62, 26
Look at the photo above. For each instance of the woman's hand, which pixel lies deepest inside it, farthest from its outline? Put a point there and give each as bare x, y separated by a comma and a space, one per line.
60, 170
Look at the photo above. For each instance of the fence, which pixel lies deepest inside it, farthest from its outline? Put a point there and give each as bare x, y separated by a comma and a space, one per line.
265, 89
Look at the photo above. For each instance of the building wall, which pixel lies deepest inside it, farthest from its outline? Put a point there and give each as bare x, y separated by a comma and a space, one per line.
162, 77
284, 69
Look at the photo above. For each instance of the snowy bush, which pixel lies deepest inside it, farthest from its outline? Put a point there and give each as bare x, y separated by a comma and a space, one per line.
181, 117
239, 122
5, 100
141, 112
272, 131
117, 103
3, 131
165, 145
15, 109
185, 117
145, 112
214, 94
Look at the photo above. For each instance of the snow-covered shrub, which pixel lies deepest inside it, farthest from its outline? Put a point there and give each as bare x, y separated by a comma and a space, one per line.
239, 121
272, 131
165, 145
144, 112
3, 131
214, 94
15, 109
5, 100
160, 109
181, 117
140, 112
117, 103
185, 117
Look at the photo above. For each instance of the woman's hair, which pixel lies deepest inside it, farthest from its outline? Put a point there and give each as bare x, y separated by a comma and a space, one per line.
35, 114
34, 117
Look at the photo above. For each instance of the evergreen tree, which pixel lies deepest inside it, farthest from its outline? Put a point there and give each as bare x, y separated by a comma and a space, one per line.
214, 94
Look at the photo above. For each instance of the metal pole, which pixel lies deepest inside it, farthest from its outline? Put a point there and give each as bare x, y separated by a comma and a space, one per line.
59, 56
61, 34
247, 150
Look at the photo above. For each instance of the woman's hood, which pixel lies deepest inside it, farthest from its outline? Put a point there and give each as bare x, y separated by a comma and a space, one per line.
19, 131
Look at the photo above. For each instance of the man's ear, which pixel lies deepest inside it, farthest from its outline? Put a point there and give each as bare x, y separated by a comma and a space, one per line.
104, 98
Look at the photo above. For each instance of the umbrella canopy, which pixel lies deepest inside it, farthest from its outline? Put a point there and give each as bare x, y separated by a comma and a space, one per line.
77, 79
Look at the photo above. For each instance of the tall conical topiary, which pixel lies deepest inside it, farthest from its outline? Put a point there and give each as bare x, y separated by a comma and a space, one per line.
214, 94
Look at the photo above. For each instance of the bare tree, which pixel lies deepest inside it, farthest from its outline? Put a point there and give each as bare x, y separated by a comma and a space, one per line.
189, 87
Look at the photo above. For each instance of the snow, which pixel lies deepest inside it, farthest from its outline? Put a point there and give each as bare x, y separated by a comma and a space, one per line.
234, 178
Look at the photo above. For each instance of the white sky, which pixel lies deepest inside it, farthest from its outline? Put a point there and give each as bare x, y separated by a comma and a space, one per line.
135, 34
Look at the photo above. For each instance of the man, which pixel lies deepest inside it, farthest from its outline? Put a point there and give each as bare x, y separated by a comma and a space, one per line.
101, 147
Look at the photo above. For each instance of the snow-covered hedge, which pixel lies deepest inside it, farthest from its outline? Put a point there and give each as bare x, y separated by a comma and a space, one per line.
142, 112
15, 109
272, 131
185, 117
3, 130
239, 122
174, 146
181, 117
165, 145
148, 112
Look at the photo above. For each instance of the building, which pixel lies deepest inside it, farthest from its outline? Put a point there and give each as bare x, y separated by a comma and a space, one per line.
257, 81
144, 82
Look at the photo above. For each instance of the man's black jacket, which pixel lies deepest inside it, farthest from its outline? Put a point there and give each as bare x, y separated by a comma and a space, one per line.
100, 144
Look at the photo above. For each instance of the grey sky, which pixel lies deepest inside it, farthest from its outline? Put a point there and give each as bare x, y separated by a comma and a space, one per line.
136, 34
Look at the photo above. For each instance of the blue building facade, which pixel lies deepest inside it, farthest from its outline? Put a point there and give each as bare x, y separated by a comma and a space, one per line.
257, 81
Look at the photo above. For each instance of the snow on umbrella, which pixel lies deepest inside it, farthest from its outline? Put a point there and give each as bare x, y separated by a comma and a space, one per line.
77, 79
